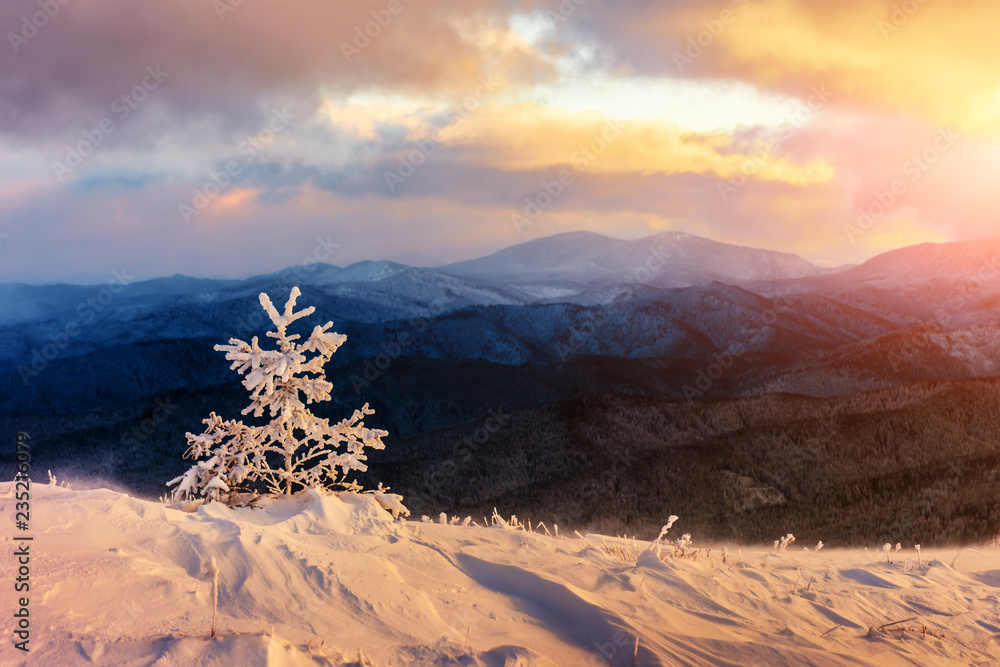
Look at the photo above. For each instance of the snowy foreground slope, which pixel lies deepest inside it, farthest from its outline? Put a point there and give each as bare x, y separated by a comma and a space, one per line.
320, 579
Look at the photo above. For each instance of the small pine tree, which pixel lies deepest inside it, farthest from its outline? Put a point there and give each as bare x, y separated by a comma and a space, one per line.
306, 448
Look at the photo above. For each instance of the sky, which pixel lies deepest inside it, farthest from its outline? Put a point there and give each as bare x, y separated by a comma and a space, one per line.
222, 138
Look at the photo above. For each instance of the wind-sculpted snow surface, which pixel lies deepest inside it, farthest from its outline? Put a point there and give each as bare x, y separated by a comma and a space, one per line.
317, 579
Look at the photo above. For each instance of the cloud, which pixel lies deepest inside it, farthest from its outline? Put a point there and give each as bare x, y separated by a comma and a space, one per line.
933, 59
529, 137
419, 130
222, 64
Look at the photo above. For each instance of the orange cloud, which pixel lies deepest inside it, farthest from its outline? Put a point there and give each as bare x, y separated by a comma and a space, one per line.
235, 199
525, 136
933, 59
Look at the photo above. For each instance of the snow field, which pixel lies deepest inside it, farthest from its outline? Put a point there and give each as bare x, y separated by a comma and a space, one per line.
318, 579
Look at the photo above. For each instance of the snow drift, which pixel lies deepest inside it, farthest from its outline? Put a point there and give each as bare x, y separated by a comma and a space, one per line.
317, 579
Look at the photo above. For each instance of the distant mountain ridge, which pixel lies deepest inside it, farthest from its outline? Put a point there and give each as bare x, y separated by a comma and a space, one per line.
586, 261
576, 267
955, 285
669, 294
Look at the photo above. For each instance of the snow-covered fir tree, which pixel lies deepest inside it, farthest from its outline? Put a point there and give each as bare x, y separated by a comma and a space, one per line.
296, 449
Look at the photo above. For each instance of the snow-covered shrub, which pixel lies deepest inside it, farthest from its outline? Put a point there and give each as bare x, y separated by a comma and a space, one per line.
782, 544
296, 449
681, 548
390, 502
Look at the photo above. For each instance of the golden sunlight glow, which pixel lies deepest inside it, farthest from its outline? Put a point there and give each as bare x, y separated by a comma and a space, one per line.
900, 232
938, 59
525, 136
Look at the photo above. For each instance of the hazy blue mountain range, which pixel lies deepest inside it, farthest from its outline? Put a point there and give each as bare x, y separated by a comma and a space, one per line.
668, 295
550, 322
562, 266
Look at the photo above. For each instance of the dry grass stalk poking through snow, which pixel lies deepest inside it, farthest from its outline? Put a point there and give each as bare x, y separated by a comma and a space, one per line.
213, 571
